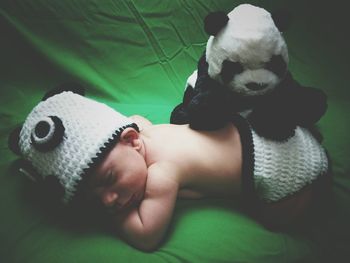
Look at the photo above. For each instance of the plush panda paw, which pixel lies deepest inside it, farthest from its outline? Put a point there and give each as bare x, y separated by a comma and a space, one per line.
179, 115
312, 105
209, 109
276, 133
272, 126
207, 120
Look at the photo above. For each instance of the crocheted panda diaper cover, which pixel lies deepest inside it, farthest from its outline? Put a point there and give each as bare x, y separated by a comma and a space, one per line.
275, 169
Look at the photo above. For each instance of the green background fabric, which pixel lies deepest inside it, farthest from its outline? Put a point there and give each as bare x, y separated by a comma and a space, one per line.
135, 56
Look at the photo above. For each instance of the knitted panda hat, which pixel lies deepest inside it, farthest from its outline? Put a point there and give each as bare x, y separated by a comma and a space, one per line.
66, 134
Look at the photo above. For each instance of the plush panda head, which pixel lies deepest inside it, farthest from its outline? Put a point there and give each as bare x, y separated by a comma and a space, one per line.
246, 51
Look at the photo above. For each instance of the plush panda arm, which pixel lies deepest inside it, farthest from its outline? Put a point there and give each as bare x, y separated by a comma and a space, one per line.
204, 104
273, 122
291, 105
275, 118
202, 67
209, 108
212, 103
179, 114
312, 105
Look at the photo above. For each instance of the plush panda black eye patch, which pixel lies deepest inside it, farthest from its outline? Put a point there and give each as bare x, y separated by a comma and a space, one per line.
229, 70
277, 65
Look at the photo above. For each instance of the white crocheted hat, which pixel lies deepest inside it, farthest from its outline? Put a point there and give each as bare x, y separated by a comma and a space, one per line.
65, 135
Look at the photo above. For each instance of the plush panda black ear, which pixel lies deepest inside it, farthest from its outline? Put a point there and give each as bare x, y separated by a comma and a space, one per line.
13, 140
214, 22
282, 19
68, 86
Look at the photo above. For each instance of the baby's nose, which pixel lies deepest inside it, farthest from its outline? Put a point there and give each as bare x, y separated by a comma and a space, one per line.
109, 198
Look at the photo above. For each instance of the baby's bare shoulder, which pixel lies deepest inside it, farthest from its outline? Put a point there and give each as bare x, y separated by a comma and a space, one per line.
162, 176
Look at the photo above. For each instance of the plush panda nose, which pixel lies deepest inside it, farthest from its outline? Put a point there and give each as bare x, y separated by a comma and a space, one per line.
47, 133
256, 86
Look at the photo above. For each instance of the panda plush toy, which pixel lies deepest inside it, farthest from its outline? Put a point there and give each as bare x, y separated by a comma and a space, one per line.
244, 70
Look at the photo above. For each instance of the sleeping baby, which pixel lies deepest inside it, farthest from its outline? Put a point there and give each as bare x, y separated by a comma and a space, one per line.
137, 171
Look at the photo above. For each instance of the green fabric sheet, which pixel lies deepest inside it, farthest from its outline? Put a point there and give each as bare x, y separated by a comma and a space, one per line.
135, 56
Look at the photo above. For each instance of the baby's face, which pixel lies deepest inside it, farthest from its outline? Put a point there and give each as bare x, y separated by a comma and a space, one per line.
119, 181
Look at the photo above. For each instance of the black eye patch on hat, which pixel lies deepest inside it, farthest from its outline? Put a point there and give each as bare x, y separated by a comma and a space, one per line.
47, 134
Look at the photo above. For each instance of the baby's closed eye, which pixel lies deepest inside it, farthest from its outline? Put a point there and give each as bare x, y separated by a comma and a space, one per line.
105, 180
108, 179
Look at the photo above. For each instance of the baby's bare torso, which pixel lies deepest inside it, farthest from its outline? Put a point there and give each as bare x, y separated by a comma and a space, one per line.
206, 163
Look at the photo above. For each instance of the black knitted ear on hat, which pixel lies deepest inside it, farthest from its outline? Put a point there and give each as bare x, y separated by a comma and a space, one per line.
214, 22
13, 140
68, 86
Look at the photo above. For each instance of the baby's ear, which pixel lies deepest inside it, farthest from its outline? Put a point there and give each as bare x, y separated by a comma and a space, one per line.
68, 86
13, 141
129, 135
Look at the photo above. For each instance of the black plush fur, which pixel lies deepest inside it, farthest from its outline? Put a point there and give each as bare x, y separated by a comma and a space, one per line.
214, 22
210, 105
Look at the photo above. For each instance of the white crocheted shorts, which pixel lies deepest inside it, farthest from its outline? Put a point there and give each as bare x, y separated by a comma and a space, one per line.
274, 170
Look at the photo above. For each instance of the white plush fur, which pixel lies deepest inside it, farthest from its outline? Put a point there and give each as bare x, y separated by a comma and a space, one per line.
191, 81
251, 38
258, 76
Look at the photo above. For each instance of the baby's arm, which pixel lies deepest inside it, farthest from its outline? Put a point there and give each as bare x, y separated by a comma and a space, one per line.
145, 226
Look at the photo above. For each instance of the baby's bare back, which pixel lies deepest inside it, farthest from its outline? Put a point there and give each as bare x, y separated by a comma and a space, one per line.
207, 163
